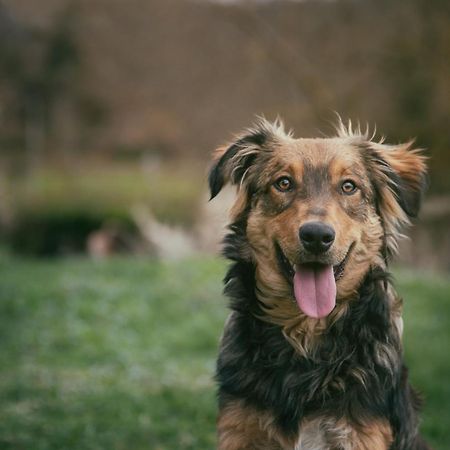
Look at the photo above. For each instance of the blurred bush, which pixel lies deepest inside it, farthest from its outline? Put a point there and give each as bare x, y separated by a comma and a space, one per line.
55, 211
46, 233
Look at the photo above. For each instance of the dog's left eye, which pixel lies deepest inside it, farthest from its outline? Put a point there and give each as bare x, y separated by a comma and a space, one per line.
348, 187
283, 184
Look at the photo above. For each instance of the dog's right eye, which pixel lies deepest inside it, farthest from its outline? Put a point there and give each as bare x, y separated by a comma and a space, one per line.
283, 184
348, 187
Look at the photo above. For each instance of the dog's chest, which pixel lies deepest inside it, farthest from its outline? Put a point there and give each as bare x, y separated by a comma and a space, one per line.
328, 433
324, 433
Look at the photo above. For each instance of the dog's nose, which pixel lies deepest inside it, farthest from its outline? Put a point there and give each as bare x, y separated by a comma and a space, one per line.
316, 237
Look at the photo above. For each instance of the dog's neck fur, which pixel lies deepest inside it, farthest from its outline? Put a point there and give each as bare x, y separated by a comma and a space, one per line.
274, 301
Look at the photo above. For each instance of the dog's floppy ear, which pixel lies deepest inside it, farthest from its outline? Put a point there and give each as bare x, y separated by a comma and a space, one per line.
233, 162
399, 176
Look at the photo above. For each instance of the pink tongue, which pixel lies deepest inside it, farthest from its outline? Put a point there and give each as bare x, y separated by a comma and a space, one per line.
315, 290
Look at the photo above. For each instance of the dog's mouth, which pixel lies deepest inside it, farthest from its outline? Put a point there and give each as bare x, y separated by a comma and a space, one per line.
314, 283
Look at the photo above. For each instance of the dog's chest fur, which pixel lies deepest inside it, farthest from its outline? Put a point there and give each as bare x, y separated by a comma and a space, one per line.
325, 433
321, 433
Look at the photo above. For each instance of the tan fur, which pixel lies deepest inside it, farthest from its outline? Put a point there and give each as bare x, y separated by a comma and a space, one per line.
407, 162
273, 290
239, 205
244, 428
397, 309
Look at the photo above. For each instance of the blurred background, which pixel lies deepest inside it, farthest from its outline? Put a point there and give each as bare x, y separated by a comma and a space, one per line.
109, 110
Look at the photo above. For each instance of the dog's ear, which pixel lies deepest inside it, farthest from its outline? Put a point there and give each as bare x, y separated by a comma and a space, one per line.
233, 162
409, 180
399, 177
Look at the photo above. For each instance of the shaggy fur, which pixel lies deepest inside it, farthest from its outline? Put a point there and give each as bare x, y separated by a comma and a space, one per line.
286, 380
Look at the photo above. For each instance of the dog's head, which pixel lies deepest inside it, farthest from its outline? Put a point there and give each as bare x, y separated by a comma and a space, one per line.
316, 214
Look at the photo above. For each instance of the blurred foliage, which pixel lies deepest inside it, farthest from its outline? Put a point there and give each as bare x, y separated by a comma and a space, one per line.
120, 354
54, 211
46, 233
171, 191
40, 89
176, 77
416, 70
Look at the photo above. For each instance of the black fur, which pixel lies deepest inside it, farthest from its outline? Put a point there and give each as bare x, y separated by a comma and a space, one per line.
409, 196
218, 176
258, 365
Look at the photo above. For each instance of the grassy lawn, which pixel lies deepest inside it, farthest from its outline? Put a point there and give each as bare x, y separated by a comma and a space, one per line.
120, 354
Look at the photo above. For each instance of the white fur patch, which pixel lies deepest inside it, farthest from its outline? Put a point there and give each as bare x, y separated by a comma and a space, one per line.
325, 433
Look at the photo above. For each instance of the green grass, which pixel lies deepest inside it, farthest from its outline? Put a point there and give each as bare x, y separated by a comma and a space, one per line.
427, 348
120, 354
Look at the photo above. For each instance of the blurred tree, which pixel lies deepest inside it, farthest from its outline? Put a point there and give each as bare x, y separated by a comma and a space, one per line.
176, 76
42, 104
416, 70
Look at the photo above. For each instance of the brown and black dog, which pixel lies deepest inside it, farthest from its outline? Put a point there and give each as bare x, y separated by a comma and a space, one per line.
311, 356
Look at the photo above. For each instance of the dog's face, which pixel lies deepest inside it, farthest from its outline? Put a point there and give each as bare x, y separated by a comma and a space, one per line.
318, 213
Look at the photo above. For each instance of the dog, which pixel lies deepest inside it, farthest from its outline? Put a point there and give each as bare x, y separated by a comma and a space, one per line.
311, 355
